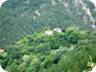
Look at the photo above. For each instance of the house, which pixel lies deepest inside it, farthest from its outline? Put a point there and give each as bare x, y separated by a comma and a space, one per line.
49, 32
1, 51
2, 70
57, 29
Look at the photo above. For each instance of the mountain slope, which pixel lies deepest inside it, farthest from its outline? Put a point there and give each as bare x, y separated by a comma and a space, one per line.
12, 27
28, 16
73, 50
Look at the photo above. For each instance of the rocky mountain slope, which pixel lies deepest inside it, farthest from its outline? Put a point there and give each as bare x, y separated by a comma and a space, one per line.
23, 17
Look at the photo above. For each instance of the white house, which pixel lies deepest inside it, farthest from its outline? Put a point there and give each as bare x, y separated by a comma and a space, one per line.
49, 32
57, 29
2, 70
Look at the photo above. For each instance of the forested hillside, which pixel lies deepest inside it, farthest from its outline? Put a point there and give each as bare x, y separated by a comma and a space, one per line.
29, 42
72, 50
19, 18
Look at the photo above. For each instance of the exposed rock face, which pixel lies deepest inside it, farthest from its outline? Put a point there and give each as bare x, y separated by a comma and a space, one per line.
88, 12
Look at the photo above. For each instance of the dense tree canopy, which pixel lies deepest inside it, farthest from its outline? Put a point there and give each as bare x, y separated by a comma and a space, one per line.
67, 51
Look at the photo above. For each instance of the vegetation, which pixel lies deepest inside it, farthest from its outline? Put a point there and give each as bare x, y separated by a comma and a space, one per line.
20, 18
73, 50
28, 49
